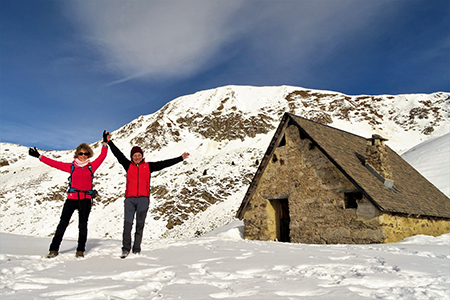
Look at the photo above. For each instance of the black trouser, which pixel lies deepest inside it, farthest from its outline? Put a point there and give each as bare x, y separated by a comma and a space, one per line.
84, 209
134, 206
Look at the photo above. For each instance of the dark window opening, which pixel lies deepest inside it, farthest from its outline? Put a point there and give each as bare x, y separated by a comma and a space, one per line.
274, 158
350, 199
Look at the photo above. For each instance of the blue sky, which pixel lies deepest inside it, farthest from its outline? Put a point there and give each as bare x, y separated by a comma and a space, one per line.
69, 69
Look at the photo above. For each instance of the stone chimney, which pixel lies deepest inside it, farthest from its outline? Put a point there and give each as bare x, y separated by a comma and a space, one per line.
377, 160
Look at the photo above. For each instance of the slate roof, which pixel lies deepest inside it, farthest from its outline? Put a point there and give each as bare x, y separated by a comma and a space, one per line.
413, 194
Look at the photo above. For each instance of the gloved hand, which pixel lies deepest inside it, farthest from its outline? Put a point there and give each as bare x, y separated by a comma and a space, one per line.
34, 152
105, 136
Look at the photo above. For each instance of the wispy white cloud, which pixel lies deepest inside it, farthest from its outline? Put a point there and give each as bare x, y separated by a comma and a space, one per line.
148, 38
169, 39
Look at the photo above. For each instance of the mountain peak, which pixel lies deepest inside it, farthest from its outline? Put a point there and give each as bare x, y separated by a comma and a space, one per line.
227, 131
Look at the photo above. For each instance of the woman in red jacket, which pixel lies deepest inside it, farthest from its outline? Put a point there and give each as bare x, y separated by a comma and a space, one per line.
80, 192
137, 193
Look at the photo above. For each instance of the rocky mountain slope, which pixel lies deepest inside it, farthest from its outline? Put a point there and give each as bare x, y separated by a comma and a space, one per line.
226, 130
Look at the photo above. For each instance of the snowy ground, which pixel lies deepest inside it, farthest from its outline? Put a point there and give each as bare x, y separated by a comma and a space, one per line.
223, 265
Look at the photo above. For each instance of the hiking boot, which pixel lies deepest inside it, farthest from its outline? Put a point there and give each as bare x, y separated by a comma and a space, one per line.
52, 254
136, 252
79, 254
124, 254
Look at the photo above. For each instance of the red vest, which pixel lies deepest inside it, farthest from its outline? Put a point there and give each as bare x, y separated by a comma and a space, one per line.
138, 180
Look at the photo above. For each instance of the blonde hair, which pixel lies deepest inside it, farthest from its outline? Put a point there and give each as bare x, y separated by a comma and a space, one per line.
86, 147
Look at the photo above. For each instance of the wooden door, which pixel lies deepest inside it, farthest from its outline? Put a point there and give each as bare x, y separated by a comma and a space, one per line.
284, 221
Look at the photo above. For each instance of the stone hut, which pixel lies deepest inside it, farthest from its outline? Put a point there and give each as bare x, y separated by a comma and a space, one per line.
321, 185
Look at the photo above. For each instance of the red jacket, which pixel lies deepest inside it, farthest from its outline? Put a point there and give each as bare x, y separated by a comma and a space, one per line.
138, 180
138, 176
81, 177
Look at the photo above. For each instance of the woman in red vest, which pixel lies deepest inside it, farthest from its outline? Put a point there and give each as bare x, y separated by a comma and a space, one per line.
80, 192
137, 193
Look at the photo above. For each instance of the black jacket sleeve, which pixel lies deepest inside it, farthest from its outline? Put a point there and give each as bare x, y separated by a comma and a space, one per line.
159, 165
125, 162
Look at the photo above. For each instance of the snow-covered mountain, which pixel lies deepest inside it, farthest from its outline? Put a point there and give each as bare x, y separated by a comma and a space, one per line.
432, 159
226, 131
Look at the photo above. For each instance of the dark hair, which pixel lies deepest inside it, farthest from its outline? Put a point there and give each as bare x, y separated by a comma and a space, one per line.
86, 147
136, 149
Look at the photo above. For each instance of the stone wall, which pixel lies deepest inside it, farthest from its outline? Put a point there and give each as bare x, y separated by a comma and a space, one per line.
314, 187
398, 227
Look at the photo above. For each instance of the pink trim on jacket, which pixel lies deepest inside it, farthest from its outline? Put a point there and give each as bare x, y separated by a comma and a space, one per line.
81, 177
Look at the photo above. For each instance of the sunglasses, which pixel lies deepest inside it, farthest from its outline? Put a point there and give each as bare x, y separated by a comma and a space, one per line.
83, 153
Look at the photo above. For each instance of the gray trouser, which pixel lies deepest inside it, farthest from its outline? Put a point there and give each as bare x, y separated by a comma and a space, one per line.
134, 206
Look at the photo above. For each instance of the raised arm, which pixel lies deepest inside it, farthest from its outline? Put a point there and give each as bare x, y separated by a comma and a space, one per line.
99, 160
50, 162
159, 165
125, 162
63, 166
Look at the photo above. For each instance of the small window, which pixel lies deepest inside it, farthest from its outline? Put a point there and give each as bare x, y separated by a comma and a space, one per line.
350, 199
274, 158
